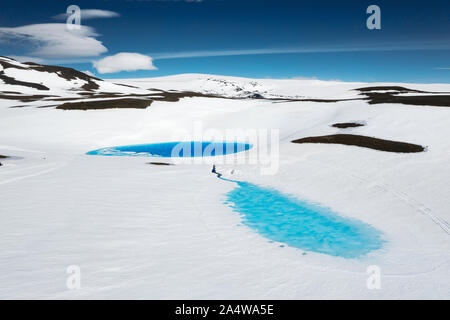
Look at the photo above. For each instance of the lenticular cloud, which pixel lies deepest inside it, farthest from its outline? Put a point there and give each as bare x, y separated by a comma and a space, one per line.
55, 40
124, 61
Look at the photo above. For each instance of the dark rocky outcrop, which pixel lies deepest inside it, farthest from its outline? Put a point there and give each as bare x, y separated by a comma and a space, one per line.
364, 141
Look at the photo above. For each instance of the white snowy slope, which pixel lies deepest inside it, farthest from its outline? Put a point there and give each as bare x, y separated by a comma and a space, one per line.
35, 79
163, 232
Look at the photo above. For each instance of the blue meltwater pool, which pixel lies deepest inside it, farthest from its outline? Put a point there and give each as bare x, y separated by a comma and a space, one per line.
175, 149
286, 219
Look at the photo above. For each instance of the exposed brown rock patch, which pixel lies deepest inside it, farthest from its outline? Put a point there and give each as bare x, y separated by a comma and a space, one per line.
344, 125
125, 103
365, 142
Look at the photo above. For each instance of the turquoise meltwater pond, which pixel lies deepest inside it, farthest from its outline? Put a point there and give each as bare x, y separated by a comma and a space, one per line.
175, 149
308, 226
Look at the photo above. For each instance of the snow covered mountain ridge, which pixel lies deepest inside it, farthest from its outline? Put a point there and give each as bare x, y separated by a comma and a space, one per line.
52, 86
33, 78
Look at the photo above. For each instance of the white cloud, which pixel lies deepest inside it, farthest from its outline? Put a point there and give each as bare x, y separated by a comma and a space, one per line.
90, 14
55, 40
363, 47
27, 59
124, 61
304, 78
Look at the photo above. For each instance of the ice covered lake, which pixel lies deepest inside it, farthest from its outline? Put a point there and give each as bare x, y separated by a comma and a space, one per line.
301, 224
175, 149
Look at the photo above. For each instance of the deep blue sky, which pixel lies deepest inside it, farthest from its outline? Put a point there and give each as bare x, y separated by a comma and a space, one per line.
412, 46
